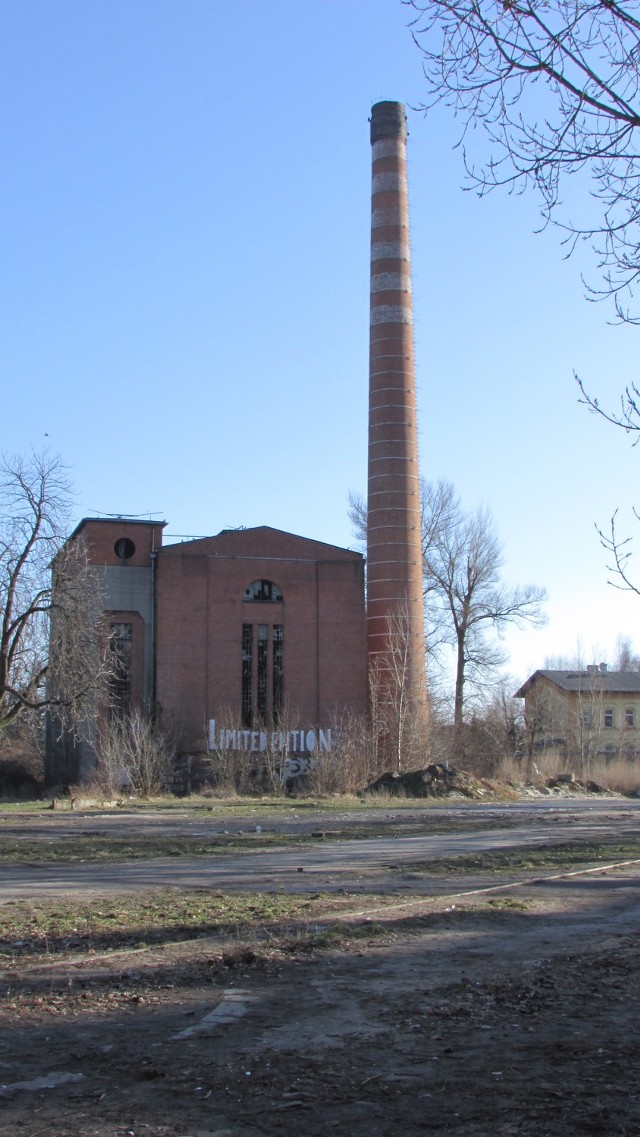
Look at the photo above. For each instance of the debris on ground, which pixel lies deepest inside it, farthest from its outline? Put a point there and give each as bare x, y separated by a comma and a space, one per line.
568, 782
439, 779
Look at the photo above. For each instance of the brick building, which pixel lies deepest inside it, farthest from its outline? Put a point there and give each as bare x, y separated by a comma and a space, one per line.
257, 637
249, 639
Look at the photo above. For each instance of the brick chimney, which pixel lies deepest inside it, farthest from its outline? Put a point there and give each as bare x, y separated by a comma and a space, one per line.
395, 619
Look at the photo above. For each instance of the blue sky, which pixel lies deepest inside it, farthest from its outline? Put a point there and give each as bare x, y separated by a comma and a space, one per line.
184, 295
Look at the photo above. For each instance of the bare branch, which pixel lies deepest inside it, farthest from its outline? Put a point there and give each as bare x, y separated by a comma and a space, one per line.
556, 89
620, 550
627, 418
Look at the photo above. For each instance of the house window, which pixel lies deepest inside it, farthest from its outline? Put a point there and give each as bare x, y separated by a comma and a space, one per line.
609, 753
264, 592
262, 683
629, 717
586, 719
120, 638
608, 717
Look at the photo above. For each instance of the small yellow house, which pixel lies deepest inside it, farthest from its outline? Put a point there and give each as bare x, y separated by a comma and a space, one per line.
583, 713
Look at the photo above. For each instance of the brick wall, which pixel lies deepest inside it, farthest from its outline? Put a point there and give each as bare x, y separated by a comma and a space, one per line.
102, 535
187, 607
201, 610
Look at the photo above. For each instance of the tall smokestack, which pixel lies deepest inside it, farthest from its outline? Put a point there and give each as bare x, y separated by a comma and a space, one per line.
395, 615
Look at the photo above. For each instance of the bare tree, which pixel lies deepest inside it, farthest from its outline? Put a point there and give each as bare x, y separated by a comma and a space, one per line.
556, 88
466, 604
134, 755
626, 658
397, 724
466, 598
50, 655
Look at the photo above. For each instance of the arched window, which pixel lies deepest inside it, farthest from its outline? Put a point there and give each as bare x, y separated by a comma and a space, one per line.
263, 591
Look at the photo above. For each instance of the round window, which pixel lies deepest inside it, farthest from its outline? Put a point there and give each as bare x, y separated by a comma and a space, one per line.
124, 548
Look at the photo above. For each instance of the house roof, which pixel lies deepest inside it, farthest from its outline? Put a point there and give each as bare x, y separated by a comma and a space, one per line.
261, 542
116, 519
609, 682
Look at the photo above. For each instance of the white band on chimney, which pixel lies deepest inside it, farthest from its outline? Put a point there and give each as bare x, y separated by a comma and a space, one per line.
387, 148
390, 250
388, 215
399, 281
389, 181
390, 314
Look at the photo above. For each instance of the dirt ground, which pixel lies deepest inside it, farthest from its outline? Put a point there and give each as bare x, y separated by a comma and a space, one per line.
510, 1012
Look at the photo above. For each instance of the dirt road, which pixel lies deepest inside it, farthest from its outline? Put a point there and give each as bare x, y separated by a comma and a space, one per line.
327, 864
509, 1013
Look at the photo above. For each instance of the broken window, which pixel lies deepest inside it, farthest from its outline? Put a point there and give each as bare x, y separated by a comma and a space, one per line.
263, 657
120, 640
262, 684
278, 671
264, 591
247, 674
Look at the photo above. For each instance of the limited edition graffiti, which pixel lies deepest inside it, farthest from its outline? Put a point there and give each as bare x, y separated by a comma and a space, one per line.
302, 741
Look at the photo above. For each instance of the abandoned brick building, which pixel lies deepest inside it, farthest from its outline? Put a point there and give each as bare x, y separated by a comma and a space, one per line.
254, 634
250, 639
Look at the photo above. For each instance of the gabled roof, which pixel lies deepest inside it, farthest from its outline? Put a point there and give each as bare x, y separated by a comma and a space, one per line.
593, 679
261, 542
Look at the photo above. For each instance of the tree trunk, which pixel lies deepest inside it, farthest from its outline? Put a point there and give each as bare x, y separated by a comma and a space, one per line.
459, 695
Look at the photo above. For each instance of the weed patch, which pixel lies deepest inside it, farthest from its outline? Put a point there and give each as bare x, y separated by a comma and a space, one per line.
507, 904
98, 849
29, 929
529, 859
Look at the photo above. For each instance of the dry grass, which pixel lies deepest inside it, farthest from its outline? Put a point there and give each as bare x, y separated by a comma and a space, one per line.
538, 770
619, 775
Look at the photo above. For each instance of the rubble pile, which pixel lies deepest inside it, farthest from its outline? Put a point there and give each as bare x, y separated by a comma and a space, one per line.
441, 779
569, 783
437, 780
